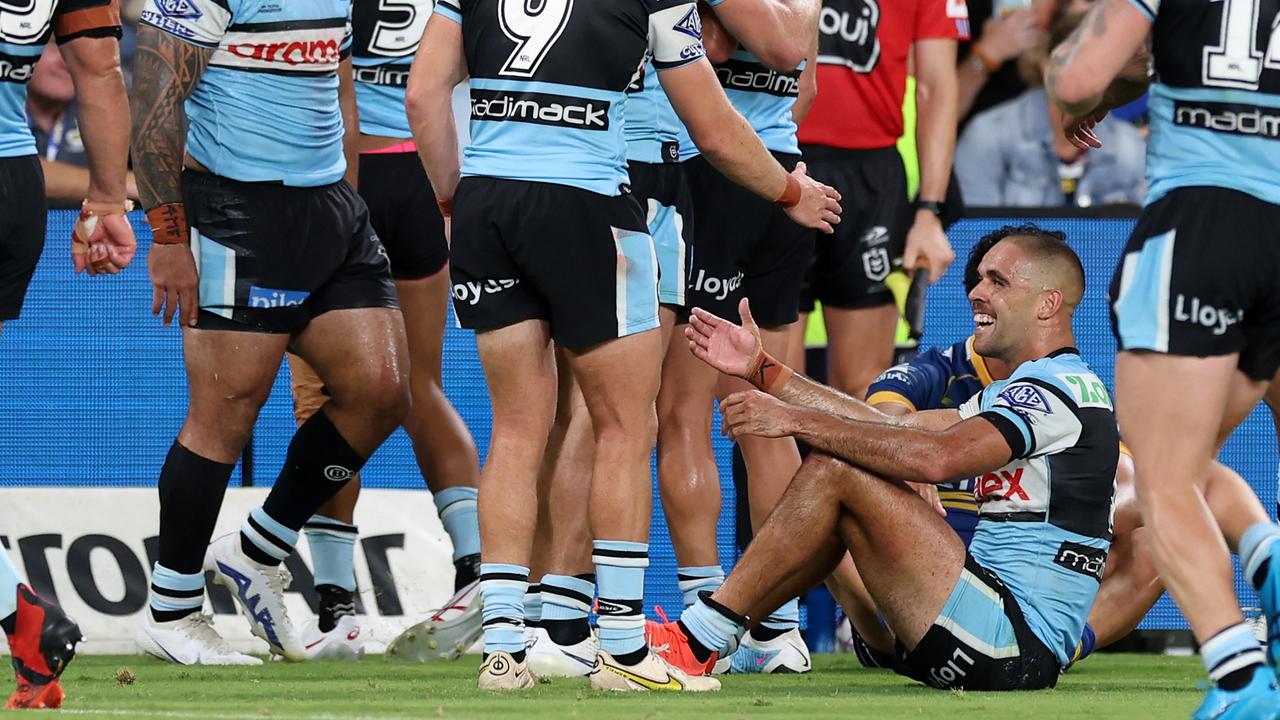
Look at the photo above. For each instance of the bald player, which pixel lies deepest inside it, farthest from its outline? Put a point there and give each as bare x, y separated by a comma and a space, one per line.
1006, 613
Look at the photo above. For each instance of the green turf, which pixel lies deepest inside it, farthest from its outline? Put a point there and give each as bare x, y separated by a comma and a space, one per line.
1105, 686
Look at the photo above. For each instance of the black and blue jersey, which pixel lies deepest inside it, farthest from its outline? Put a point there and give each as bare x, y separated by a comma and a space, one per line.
549, 84
385, 36
25, 28
266, 107
1215, 100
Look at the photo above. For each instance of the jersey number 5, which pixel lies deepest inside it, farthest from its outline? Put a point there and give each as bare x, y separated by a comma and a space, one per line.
24, 22
399, 27
1236, 61
534, 31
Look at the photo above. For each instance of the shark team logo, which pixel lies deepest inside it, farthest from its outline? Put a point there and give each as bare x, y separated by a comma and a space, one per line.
181, 9
691, 24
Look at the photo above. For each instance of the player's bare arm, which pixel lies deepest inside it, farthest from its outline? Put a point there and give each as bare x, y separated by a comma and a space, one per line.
776, 31
808, 84
1103, 65
438, 67
166, 71
729, 143
350, 121
936, 91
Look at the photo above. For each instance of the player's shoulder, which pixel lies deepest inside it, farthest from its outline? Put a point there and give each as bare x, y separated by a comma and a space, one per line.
1063, 373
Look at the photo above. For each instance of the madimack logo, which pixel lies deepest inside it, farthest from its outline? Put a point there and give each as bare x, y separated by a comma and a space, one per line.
754, 77
16, 69
1082, 559
1233, 118
540, 109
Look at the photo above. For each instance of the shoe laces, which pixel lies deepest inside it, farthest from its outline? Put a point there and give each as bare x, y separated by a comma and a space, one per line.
199, 627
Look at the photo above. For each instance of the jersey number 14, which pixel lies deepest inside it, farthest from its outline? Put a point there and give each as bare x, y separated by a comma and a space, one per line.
1236, 61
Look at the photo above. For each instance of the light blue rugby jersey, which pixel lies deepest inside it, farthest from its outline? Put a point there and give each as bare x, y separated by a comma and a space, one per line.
1044, 519
547, 98
652, 126
763, 96
1215, 99
25, 28
266, 108
385, 38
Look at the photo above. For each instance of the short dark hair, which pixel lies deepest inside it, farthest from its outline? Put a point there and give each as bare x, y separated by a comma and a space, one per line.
1052, 242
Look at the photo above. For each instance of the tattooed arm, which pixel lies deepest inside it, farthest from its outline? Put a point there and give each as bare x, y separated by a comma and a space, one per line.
1109, 45
166, 70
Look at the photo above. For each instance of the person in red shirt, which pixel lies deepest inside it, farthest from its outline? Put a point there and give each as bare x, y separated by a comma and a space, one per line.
848, 140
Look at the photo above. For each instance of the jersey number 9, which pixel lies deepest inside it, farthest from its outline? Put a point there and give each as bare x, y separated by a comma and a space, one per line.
533, 31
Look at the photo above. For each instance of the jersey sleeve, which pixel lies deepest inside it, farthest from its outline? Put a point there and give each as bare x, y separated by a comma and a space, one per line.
199, 22
451, 9
1035, 417
942, 19
918, 384
1148, 7
675, 33
86, 18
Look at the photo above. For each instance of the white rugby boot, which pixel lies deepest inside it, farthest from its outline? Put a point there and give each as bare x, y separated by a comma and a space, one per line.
259, 589
190, 640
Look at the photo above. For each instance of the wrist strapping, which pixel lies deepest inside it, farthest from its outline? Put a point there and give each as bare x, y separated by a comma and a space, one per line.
791, 194
768, 374
169, 224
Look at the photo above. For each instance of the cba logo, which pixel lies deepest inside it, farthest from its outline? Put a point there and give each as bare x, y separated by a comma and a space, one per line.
848, 34
181, 9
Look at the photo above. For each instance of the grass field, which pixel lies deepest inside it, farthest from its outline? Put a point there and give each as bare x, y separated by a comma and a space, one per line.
1105, 686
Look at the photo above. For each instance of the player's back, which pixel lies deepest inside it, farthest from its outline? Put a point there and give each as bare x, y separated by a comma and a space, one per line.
385, 37
764, 97
1215, 102
652, 126
266, 107
548, 89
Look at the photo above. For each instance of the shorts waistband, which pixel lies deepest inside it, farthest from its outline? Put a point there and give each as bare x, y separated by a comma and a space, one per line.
850, 153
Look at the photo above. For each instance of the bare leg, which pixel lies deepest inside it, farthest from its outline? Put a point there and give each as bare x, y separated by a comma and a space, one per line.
563, 541
846, 585
860, 345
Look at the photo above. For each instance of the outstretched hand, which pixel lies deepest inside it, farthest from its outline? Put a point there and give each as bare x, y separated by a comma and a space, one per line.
732, 349
1079, 130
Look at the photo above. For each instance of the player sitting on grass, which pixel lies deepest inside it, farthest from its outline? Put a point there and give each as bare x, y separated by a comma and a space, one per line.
1008, 612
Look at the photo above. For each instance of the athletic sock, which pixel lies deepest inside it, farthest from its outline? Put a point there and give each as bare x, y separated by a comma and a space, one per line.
466, 570
1255, 551
175, 595
714, 627
532, 605
620, 568
502, 589
335, 603
693, 580
780, 622
566, 601
191, 491
318, 464
266, 540
1232, 656
457, 509
332, 544
10, 579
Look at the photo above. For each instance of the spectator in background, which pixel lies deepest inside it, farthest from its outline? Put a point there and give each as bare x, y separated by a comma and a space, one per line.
1015, 154
51, 115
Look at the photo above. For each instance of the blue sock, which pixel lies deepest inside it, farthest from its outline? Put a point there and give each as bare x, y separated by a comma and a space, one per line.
713, 626
10, 579
1255, 550
502, 589
620, 578
1231, 651
694, 580
332, 544
566, 597
265, 540
784, 619
457, 509
175, 595
533, 605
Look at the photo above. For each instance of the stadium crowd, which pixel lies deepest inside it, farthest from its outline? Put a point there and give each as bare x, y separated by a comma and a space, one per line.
638, 231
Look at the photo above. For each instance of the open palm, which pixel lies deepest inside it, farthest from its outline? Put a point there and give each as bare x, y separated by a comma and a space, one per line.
732, 349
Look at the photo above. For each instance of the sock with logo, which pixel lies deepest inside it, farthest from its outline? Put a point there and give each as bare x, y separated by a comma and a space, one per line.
712, 627
332, 544
457, 509
175, 595
266, 540
1255, 552
1232, 656
318, 464
620, 577
10, 579
532, 605
780, 622
566, 600
502, 590
191, 490
695, 579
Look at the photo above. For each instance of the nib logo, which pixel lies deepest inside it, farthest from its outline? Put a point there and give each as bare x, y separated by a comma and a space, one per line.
251, 603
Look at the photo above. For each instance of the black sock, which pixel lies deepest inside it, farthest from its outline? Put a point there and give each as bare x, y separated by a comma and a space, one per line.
765, 634
700, 651
567, 632
319, 463
1260, 575
466, 570
191, 492
1238, 678
335, 603
10, 623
